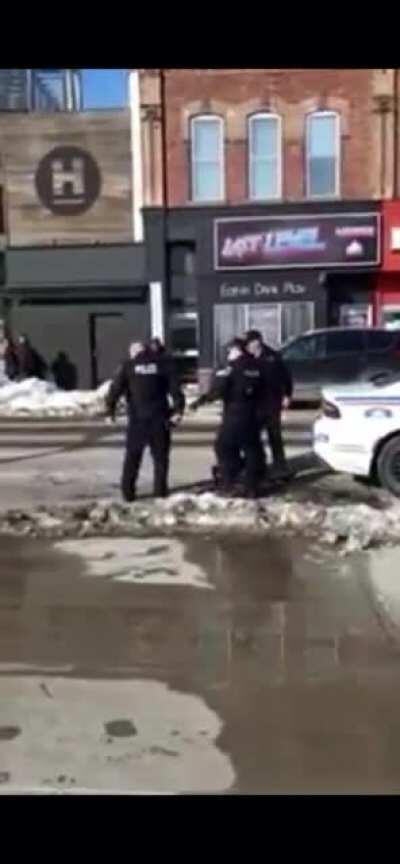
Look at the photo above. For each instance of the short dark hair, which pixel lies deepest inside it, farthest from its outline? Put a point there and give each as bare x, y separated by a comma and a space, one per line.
236, 343
252, 335
155, 344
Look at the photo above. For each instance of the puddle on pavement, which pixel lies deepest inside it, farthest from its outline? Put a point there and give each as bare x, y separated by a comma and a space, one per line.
281, 678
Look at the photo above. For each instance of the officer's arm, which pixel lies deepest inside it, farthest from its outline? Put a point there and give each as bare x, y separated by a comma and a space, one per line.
117, 389
174, 388
218, 388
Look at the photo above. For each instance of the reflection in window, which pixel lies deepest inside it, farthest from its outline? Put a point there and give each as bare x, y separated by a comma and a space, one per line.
322, 154
183, 333
264, 156
56, 90
207, 158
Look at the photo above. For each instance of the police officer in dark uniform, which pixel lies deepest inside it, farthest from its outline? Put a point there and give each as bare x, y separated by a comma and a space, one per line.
277, 395
238, 385
146, 380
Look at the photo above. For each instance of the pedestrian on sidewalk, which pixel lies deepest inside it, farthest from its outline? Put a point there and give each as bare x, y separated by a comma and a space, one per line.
277, 396
8, 357
146, 380
30, 363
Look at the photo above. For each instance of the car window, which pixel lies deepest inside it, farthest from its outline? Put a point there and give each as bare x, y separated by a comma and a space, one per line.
382, 340
305, 348
345, 342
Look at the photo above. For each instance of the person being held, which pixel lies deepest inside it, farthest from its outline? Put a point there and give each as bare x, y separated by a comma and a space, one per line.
238, 385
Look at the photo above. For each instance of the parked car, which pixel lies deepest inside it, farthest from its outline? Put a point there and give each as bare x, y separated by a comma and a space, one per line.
319, 358
358, 431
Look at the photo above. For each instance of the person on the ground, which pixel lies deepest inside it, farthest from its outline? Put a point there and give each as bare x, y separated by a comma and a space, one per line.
30, 362
238, 385
277, 396
146, 381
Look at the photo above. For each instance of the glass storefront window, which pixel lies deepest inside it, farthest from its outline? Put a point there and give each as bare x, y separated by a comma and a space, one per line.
277, 322
355, 315
390, 317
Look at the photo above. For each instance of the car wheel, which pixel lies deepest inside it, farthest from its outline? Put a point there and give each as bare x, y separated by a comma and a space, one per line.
388, 466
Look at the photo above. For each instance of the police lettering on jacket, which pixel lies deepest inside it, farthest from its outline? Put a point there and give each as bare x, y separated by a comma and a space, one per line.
146, 383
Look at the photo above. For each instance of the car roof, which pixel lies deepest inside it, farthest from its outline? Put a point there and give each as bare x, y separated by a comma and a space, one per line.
344, 330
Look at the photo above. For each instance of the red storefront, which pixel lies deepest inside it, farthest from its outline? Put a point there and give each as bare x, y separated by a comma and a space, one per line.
387, 293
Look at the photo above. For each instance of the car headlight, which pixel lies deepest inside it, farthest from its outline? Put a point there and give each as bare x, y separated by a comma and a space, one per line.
330, 410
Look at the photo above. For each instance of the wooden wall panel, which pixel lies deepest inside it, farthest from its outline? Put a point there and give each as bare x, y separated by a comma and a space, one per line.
26, 139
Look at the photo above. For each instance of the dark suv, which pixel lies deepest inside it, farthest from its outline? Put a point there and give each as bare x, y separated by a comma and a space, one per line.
339, 356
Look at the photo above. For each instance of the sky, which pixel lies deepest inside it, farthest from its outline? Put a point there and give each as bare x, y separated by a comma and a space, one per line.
104, 88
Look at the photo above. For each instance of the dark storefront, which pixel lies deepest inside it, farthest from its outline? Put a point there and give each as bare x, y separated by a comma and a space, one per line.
283, 269
87, 302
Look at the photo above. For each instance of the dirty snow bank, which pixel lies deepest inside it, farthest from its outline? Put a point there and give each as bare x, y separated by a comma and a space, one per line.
345, 528
36, 398
39, 399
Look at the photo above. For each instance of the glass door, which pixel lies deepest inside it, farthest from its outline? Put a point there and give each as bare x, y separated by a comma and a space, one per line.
297, 318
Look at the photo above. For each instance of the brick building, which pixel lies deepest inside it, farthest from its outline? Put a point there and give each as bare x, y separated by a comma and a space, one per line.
263, 193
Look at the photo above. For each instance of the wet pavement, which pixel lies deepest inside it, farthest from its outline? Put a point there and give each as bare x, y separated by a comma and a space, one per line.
205, 666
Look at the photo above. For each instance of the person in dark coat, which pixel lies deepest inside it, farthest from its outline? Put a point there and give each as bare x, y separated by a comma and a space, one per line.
64, 372
239, 386
146, 380
30, 362
277, 395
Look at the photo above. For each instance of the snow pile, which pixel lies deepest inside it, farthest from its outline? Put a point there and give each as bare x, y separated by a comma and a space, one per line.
36, 398
347, 528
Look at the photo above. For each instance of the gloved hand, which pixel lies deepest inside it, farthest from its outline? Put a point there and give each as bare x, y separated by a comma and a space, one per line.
195, 405
175, 419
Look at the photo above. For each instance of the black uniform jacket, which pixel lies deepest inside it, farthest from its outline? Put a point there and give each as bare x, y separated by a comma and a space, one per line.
146, 382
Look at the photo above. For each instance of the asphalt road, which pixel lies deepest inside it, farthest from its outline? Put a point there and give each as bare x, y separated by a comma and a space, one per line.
43, 461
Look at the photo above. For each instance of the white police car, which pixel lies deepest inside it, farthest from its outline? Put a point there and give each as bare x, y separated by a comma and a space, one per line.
358, 431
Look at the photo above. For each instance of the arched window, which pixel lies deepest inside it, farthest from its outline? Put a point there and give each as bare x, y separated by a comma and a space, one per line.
323, 154
207, 158
265, 156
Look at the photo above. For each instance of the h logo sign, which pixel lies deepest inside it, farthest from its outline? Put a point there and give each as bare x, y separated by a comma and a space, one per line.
68, 180
68, 183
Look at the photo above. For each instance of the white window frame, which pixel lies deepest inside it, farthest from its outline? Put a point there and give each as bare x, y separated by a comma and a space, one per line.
207, 118
265, 115
338, 154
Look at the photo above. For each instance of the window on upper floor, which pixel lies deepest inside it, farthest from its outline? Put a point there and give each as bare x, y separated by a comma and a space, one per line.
265, 156
323, 154
207, 158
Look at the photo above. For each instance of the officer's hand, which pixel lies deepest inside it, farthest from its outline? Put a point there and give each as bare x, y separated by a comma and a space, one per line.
286, 403
176, 419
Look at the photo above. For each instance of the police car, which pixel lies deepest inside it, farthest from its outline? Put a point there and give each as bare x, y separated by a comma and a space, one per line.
358, 431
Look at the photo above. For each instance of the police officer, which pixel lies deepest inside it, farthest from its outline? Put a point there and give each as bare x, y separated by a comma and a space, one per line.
146, 381
238, 385
277, 395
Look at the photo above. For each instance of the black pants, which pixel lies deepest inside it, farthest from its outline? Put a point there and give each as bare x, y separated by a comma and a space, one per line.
273, 426
239, 435
155, 433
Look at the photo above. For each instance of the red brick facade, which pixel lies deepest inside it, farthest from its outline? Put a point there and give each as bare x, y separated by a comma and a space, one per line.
235, 94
